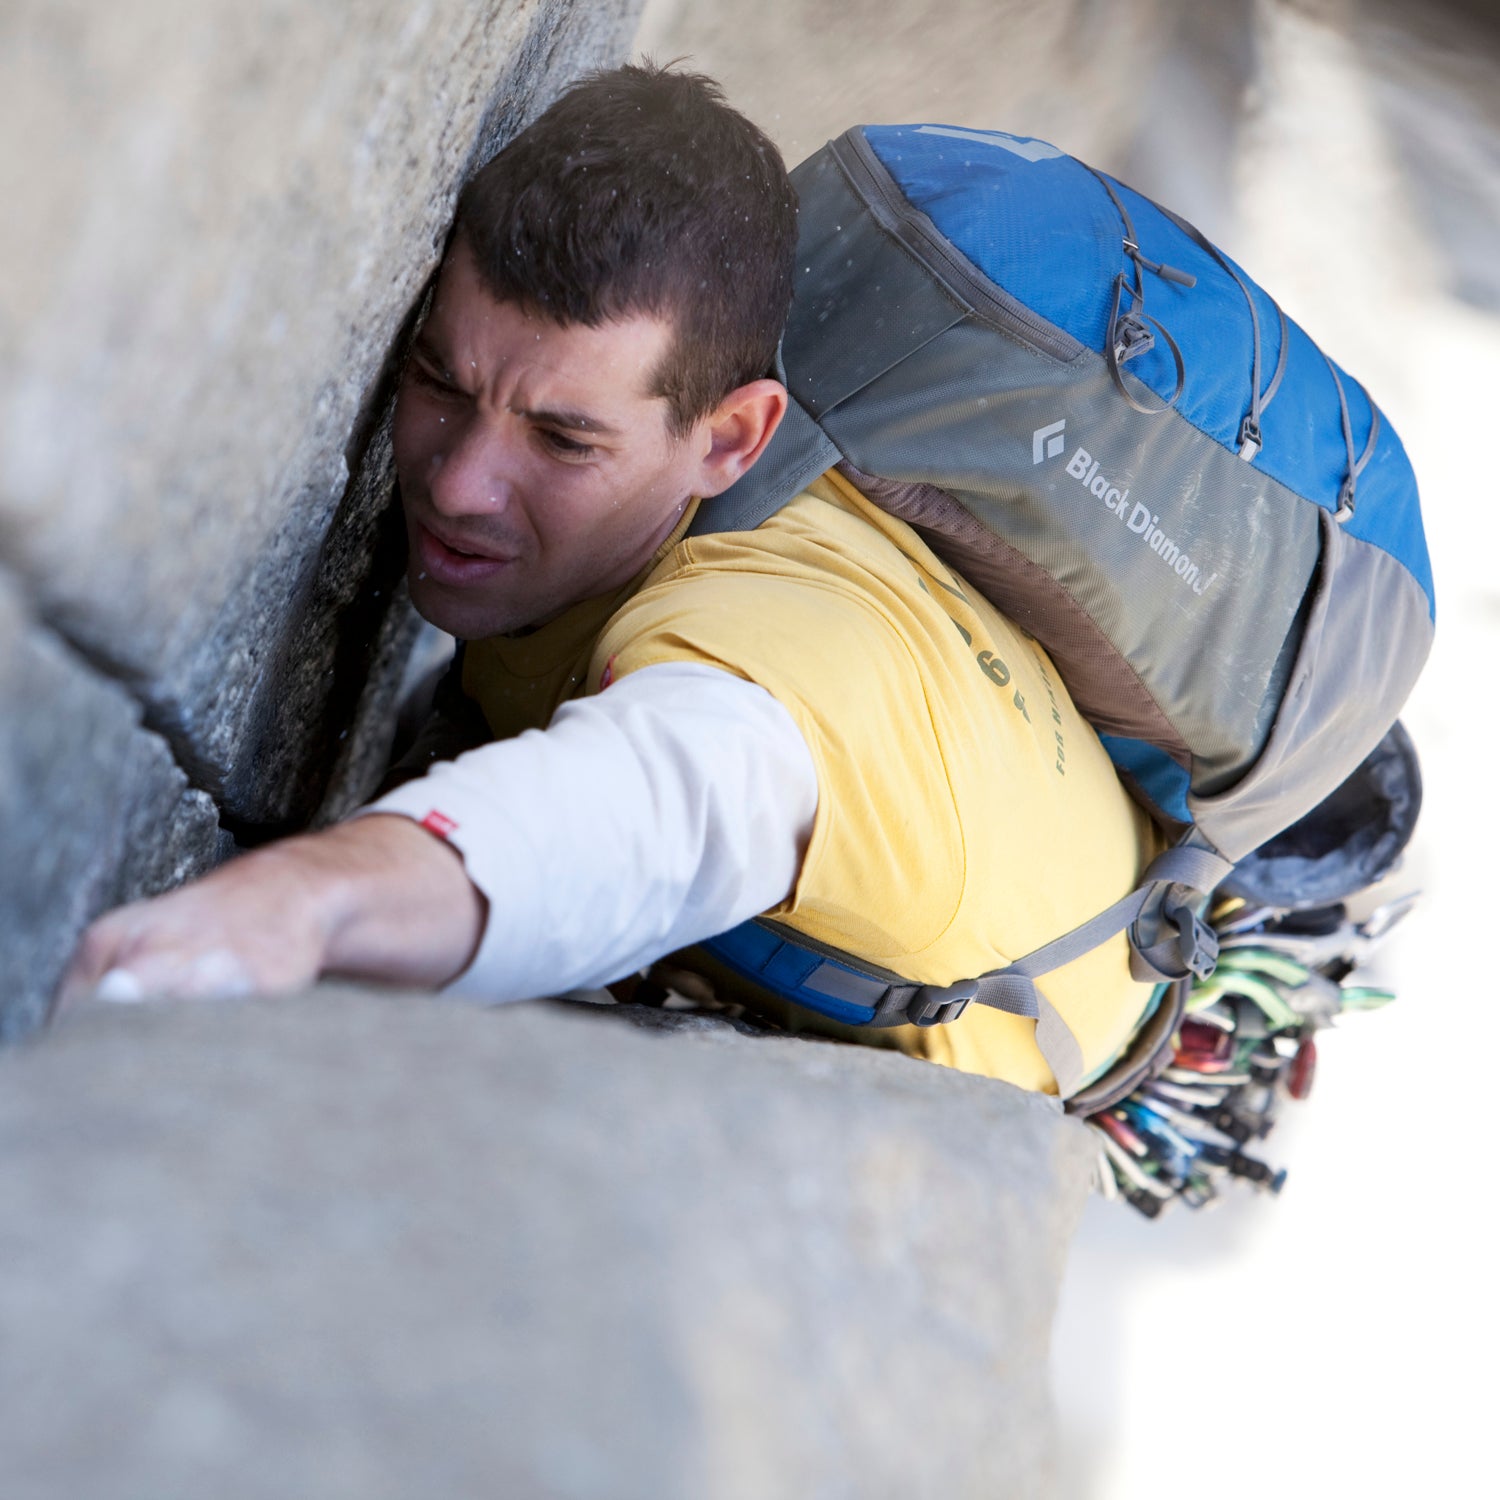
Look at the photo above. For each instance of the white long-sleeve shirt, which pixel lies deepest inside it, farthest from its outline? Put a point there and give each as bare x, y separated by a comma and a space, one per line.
668, 808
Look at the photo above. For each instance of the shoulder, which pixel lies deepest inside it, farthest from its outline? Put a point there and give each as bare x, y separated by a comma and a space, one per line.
829, 515
825, 543
815, 571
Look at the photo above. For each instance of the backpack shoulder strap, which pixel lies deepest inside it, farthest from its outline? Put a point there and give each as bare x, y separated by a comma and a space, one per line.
836, 984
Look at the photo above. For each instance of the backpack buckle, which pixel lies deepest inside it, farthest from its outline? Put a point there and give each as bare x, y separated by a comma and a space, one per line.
1197, 942
1131, 338
936, 1005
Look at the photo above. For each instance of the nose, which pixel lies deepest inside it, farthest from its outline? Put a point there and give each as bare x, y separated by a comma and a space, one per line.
471, 470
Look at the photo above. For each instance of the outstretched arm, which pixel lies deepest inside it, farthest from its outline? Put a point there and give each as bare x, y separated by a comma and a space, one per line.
669, 808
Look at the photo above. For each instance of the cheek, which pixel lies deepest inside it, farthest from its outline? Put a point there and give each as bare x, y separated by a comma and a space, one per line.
416, 436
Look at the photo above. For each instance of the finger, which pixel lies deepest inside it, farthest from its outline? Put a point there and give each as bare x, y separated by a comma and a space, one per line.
220, 974
120, 987
169, 974
95, 955
185, 974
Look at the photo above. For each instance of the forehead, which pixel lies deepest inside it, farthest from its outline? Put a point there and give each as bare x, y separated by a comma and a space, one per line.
475, 330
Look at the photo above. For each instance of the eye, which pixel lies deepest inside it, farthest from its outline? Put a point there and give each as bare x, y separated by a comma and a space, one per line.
431, 377
563, 445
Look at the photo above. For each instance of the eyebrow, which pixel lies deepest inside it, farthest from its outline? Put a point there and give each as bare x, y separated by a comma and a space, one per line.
569, 421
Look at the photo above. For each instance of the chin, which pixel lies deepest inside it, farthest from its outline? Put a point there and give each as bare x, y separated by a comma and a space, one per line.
448, 614
466, 619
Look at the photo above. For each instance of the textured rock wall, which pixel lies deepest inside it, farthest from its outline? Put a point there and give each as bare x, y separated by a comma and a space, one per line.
219, 217
1073, 71
338, 1245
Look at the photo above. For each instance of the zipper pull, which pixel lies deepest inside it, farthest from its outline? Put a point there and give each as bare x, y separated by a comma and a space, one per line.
1167, 273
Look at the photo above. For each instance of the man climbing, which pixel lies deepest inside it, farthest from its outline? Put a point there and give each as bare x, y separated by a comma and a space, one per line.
814, 720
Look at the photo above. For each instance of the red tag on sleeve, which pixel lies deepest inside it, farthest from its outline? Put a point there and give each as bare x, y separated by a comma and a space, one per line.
439, 823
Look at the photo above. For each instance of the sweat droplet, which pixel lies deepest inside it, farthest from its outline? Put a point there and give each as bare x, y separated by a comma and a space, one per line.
420, 577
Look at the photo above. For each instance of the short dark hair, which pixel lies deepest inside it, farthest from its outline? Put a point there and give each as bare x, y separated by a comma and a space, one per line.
641, 191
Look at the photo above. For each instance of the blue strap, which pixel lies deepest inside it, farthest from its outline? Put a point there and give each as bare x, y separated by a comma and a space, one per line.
836, 987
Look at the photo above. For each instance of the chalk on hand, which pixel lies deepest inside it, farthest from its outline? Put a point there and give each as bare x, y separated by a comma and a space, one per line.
121, 987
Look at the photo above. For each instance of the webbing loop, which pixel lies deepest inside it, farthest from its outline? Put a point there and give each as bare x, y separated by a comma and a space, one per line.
1251, 440
1356, 465
1128, 337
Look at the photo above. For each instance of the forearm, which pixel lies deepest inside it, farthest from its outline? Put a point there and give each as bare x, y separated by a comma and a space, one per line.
668, 808
379, 898
392, 901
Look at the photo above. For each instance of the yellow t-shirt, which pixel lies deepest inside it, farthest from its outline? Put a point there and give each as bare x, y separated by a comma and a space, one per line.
967, 813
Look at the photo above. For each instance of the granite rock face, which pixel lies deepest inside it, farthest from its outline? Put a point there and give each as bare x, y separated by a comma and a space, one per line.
143, 828
219, 220
343, 1244
1072, 71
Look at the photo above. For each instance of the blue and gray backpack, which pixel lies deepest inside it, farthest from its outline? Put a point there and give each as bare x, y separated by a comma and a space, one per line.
1096, 418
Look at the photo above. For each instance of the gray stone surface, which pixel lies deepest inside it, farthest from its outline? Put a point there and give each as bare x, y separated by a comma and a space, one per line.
1159, 91
1071, 71
341, 1244
219, 221
92, 807
1433, 79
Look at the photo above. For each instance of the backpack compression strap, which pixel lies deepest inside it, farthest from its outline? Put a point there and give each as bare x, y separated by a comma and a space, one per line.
839, 986
1183, 945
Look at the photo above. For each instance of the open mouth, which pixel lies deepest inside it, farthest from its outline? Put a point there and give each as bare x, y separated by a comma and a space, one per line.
451, 564
460, 551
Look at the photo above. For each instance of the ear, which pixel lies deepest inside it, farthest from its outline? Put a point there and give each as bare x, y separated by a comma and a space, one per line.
736, 432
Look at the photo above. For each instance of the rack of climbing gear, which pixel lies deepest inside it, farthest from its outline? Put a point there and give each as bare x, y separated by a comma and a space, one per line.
1246, 1044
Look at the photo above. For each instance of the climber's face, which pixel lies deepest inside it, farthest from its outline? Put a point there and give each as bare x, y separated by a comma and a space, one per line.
537, 467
